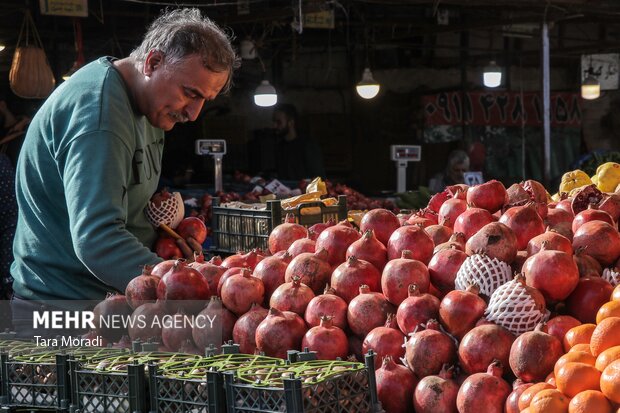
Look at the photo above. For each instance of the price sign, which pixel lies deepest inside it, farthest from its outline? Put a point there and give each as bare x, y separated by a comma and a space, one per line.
473, 178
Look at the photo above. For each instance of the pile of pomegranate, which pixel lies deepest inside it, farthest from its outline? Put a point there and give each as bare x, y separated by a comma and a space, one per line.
457, 300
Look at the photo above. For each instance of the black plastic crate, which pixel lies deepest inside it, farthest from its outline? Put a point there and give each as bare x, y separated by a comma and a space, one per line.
42, 382
197, 386
240, 229
347, 391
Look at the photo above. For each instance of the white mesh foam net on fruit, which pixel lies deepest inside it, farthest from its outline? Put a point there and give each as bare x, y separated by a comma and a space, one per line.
512, 307
612, 276
485, 272
170, 212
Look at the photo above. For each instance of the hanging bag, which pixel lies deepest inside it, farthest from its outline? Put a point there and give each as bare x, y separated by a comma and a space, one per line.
31, 76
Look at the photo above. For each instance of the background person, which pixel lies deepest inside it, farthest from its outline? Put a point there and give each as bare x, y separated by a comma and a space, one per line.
457, 165
298, 156
91, 161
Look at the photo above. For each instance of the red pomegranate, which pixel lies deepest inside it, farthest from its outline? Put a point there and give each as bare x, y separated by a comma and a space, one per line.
229, 273
162, 268
444, 266
336, 240
167, 249
282, 236
416, 309
370, 249
193, 227
460, 310
553, 273
350, 275
601, 240
587, 297
411, 238
395, 385
450, 211
240, 259
175, 332
457, 240
385, 341
524, 222
533, 354
471, 220
245, 327
438, 393
611, 205
302, 245
214, 325
553, 240
279, 332
183, 287
419, 221
382, 221
557, 216
315, 230
292, 296
211, 270
591, 214
327, 304
439, 233
512, 402
565, 204
240, 291
490, 195
428, 350
313, 268
367, 311
483, 344
142, 289
329, 341
271, 271
147, 322
438, 199
559, 325
585, 197
484, 392
586, 264
114, 305
400, 273
496, 240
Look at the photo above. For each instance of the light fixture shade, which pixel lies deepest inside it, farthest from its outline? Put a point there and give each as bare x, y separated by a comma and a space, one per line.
2, 47
590, 88
265, 95
368, 87
492, 75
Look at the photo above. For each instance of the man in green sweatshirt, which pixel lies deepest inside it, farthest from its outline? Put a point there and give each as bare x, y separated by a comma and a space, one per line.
91, 159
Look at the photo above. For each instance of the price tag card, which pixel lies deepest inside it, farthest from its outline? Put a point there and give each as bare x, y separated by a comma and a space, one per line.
473, 178
277, 187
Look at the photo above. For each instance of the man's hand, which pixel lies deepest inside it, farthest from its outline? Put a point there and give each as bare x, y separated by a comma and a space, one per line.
188, 246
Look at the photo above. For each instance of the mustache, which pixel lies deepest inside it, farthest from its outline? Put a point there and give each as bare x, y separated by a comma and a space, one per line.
179, 117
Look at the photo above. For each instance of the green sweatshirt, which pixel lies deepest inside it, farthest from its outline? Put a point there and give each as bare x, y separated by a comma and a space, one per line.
87, 169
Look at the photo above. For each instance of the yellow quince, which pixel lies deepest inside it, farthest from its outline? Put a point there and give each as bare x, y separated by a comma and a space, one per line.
574, 179
608, 175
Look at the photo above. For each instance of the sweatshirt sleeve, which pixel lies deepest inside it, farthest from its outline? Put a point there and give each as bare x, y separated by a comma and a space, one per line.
96, 172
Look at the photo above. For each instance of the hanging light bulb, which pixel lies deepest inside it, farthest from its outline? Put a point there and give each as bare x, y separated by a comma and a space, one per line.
2, 46
265, 94
368, 87
492, 75
591, 87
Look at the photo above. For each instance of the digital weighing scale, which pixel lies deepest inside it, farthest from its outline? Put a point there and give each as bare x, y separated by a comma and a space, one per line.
217, 149
402, 155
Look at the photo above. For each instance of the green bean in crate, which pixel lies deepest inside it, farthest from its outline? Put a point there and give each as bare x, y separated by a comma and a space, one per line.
314, 386
196, 386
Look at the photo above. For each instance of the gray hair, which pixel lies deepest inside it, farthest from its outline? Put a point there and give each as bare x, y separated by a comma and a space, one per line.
182, 32
456, 157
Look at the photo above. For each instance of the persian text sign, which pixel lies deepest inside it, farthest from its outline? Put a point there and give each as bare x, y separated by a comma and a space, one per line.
500, 108
75, 8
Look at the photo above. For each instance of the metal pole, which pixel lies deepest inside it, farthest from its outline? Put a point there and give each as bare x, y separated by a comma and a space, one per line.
218, 173
546, 102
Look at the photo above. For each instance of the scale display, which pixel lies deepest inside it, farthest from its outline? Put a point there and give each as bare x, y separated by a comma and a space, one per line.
406, 153
210, 147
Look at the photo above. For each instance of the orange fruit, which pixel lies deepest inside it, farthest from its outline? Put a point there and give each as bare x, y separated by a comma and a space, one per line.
582, 347
526, 410
574, 357
589, 401
615, 295
526, 397
578, 335
605, 335
549, 401
610, 309
550, 379
606, 357
573, 378
610, 381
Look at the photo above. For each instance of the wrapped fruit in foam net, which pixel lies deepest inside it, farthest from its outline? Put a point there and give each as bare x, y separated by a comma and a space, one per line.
516, 306
612, 276
486, 272
165, 208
